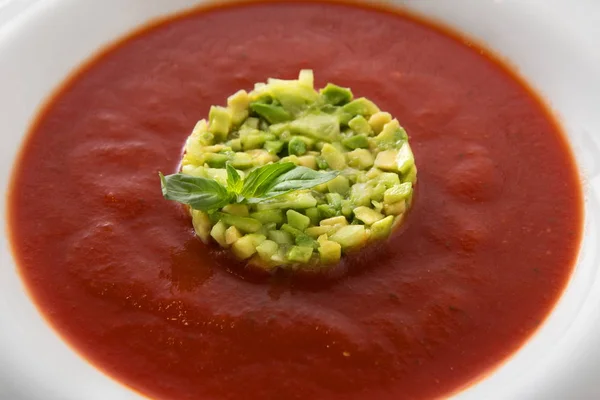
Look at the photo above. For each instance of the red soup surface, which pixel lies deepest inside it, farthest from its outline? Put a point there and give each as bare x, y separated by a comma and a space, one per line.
118, 271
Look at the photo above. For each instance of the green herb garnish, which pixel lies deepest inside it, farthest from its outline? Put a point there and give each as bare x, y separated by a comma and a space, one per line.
263, 183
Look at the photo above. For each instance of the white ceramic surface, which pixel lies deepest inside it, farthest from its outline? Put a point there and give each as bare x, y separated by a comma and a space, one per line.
555, 44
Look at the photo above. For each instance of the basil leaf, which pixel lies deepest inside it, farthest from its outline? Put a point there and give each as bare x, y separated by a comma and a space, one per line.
298, 178
234, 182
199, 193
259, 180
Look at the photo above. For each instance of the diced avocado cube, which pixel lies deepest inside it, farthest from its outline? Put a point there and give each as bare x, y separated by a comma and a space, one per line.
268, 216
391, 136
271, 113
268, 227
308, 161
217, 148
367, 215
347, 208
306, 77
238, 104
334, 199
395, 208
330, 252
350, 236
251, 123
297, 147
299, 254
405, 159
218, 174
334, 158
218, 233
336, 95
319, 126
241, 161
293, 95
356, 142
305, 241
293, 159
297, 220
397, 193
244, 224
378, 121
236, 209
291, 230
411, 175
232, 234
202, 225
373, 173
341, 220
378, 191
360, 194
215, 160
267, 249
361, 106
274, 146
328, 211
235, 144
386, 160
253, 139
245, 247
313, 214
389, 179
360, 159
296, 200
360, 125
339, 184
316, 231
382, 228
261, 157
281, 237
220, 120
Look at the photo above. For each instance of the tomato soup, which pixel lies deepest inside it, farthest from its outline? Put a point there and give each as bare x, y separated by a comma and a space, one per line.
485, 253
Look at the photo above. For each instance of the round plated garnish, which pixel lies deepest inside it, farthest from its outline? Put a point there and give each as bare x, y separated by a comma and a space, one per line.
287, 176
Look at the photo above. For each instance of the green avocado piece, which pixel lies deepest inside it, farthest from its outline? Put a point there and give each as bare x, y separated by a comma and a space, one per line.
361, 106
350, 236
274, 146
216, 160
268, 216
267, 249
334, 158
382, 228
360, 125
245, 247
219, 122
299, 254
273, 114
336, 95
367, 215
330, 252
244, 224
397, 193
319, 126
281, 237
356, 142
297, 220
360, 159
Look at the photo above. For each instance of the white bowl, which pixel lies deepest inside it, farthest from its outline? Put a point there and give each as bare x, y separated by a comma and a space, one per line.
552, 43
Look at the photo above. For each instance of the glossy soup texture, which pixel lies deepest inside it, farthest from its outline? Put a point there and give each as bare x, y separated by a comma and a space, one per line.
117, 270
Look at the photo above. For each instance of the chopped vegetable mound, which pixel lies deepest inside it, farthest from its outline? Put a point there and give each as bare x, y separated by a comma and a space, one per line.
290, 177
